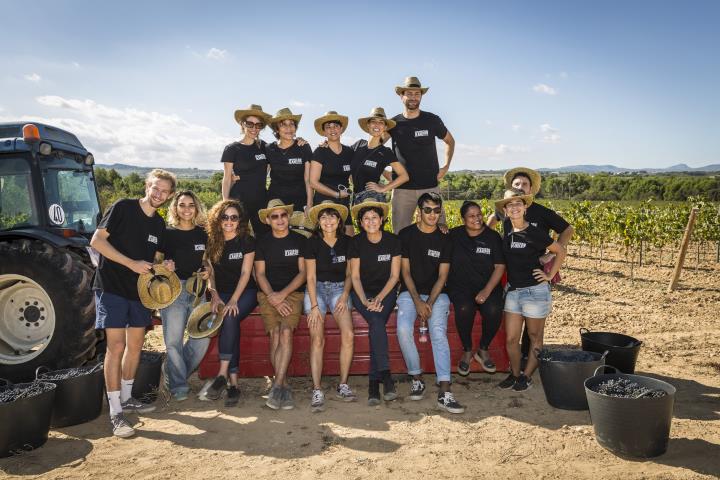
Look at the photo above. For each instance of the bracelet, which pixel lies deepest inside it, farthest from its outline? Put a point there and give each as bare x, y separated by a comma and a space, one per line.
314, 306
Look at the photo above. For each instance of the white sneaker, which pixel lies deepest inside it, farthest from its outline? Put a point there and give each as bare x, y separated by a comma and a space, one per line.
121, 427
345, 393
317, 404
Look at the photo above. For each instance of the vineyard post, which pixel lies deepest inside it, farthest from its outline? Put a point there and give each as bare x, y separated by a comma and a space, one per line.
683, 250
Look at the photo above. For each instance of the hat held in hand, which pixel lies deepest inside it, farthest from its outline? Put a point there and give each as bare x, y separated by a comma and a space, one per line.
159, 287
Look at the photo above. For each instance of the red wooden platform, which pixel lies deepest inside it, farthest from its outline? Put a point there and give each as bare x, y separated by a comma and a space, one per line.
255, 358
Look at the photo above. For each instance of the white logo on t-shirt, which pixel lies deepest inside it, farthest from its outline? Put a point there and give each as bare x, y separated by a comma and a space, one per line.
235, 256
484, 250
292, 253
152, 239
534, 224
294, 161
518, 244
433, 253
384, 258
371, 163
200, 248
421, 133
339, 259
346, 168
260, 156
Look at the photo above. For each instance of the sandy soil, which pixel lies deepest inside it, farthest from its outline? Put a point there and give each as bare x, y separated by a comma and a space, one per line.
501, 435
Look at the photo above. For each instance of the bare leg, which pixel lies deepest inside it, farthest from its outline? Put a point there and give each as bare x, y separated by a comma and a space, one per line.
347, 344
513, 330
274, 343
115, 338
133, 348
283, 355
317, 347
536, 331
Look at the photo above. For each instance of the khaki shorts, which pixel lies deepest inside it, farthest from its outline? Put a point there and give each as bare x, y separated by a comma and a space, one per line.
404, 206
272, 318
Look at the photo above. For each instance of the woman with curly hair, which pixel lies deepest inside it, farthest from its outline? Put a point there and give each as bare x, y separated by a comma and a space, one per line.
230, 254
184, 243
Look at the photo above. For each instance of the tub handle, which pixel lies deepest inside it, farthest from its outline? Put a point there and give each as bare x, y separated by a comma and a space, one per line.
40, 370
583, 330
98, 366
605, 354
605, 366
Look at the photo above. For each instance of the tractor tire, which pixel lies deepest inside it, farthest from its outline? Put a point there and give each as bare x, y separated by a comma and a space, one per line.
47, 309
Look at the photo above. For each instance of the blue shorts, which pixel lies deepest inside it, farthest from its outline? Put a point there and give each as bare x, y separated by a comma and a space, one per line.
114, 311
530, 302
328, 294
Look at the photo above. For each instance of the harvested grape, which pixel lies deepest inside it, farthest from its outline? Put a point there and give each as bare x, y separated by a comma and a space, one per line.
624, 388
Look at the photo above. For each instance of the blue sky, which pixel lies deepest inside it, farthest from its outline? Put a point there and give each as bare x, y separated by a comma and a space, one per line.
542, 84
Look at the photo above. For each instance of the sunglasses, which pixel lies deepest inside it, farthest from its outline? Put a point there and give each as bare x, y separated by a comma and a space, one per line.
249, 124
278, 216
232, 218
429, 210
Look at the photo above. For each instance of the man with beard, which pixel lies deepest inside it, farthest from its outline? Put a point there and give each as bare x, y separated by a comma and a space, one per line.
413, 140
127, 239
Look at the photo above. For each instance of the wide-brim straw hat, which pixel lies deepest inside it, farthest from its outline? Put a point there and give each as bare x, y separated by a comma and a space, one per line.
411, 83
325, 204
158, 288
533, 175
301, 224
284, 114
203, 322
331, 116
377, 112
252, 110
370, 203
513, 194
196, 286
274, 204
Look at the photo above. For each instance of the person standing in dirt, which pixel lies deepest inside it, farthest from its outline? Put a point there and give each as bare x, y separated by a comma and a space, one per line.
280, 274
425, 265
413, 140
528, 300
539, 216
184, 243
127, 238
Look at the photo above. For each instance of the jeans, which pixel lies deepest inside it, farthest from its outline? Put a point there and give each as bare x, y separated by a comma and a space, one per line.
182, 359
327, 294
377, 321
229, 338
491, 312
437, 326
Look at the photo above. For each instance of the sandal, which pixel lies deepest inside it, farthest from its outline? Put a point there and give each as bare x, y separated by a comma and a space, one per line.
488, 365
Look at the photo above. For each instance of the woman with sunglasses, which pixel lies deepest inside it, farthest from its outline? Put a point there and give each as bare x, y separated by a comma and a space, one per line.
476, 266
230, 254
289, 162
245, 166
371, 157
375, 262
328, 289
528, 300
184, 243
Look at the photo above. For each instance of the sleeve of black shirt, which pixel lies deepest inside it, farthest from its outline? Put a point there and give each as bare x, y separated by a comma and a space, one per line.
260, 250
307, 153
554, 221
302, 245
311, 248
113, 217
353, 251
541, 240
439, 128
405, 240
228, 155
395, 246
497, 249
446, 251
250, 245
318, 156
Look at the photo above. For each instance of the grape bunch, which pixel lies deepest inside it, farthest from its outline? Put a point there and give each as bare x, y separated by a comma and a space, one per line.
58, 375
24, 390
624, 388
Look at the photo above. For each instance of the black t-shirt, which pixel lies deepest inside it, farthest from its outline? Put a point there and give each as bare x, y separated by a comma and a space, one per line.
330, 262
287, 171
540, 217
368, 163
522, 253
250, 162
186, 248
281, 258
229, 269
375, 260
426, 251
335, 169
413, 140
473, 260
136, 236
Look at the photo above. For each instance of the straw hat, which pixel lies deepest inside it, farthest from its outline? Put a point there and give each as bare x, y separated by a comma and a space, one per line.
377, 112
284, 114
533, 175
411, 82
274, 204
252, 110
316, 209
331, 116
369, 202
196, 286
301, 224
203, 322
511, 195
158, 288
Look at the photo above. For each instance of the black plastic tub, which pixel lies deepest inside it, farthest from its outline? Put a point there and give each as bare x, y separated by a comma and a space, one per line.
24, 418
633, 427
563, 374
147, 378
79, 395
623, 349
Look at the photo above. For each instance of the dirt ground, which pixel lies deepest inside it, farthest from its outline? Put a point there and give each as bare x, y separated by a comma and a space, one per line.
501, 435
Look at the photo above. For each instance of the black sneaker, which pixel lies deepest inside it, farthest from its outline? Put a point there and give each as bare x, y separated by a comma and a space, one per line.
508, 382
523, 383
417, 390
132, 404
286, 399
463, 368
217, 388
233, 396
446, 401
374, 393
389, 389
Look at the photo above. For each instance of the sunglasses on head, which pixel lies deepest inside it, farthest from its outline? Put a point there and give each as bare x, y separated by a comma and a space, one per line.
233, 218
429, 210
278, 216
249, 124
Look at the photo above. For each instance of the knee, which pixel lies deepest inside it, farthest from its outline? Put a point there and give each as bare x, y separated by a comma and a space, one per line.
318, 341
286, 335
347, 337
512, 341
115, 349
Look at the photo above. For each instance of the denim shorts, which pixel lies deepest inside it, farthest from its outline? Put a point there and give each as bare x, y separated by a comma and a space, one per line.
530, 302
328, 294
114, 311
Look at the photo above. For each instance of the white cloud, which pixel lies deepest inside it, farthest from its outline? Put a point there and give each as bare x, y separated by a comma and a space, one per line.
33, 77
305, 104
546, 89
216, 54
550, 134
516, 127
136, 137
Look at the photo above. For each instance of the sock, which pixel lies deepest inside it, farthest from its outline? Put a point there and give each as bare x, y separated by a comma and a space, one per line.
114, 402
126, 389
